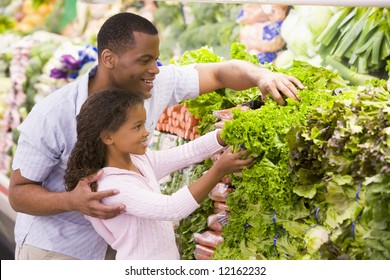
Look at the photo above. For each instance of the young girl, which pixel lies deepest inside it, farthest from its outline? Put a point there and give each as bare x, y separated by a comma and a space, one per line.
112, 135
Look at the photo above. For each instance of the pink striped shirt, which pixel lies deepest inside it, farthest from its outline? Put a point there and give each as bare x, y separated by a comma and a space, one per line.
146, 231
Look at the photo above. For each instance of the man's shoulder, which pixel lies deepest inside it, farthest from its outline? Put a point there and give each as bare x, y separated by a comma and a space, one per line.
60, 100
171, 68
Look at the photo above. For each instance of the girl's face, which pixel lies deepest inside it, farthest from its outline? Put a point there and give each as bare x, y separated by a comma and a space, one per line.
137, 68
132, 136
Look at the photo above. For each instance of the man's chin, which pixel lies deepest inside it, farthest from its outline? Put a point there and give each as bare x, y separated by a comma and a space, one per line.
147, 95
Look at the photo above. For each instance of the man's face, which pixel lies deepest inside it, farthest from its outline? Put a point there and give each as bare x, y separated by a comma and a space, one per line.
137, 68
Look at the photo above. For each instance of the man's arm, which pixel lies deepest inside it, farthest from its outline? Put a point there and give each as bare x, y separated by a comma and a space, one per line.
31, 197
240, 75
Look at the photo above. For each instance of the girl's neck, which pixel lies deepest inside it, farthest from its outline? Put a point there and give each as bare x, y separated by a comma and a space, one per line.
122, 163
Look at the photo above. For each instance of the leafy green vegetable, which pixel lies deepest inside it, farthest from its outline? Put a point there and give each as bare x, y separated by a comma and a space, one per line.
265, 198
346, 149
358, 38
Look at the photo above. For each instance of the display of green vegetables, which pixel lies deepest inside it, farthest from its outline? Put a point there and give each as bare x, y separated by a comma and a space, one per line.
302, 199
341, 160
268, 219
319, 187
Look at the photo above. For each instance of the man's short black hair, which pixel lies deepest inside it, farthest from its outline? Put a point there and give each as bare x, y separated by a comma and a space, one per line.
117, 33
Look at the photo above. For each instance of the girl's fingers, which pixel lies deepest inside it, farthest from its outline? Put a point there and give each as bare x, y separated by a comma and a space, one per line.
241, 153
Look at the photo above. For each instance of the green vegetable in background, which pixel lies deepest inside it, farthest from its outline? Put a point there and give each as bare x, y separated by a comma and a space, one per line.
358, 37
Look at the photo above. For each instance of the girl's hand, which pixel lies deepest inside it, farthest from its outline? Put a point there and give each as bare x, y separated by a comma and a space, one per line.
232, 163
219, 139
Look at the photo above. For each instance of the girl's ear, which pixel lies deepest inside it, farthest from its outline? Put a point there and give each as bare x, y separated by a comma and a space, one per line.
106, 138
108, 58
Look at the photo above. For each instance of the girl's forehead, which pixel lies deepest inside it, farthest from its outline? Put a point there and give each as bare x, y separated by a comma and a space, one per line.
136, 111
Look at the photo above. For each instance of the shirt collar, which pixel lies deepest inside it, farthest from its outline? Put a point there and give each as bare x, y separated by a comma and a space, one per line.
83, 88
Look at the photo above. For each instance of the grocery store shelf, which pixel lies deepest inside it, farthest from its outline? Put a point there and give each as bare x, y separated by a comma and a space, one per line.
347, 3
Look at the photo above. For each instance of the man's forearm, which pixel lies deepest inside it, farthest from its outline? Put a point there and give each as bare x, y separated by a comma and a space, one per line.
237, 74
234, 74
35, 200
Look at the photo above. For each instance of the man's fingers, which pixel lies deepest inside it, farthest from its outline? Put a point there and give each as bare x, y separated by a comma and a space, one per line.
288, 90
102, 194
94, 177
277, 96
297, 82
108, 212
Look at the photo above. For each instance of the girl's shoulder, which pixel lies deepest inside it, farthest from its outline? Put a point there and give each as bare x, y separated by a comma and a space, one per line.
111, 176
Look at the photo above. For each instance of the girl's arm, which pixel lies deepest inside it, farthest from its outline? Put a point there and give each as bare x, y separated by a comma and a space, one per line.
141, 201
167, 161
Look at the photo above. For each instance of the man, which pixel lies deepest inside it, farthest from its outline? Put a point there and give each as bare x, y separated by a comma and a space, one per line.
50, 222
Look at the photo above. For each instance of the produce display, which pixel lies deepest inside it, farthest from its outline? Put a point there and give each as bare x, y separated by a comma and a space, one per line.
179, 121
353, 41
319, 188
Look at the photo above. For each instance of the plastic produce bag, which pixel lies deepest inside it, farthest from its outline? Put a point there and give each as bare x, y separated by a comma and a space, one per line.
220, 192
202, 252
217, 221
209, 238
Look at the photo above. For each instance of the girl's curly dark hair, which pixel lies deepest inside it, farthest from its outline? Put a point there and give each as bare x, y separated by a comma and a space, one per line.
103, 111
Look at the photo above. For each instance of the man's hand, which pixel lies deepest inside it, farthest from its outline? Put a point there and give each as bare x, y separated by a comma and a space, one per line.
83, 199
277, 84
241, 75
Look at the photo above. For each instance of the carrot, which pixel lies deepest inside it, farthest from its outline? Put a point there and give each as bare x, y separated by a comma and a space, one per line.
187, 134
191, 122
182, 113
187, 115
169, 111
164, 116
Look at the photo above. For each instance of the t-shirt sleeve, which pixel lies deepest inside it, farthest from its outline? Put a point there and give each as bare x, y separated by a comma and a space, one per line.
178, 83
37, 151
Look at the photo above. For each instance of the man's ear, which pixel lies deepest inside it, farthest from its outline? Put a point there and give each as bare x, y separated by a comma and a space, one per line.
108, 58
106, 138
